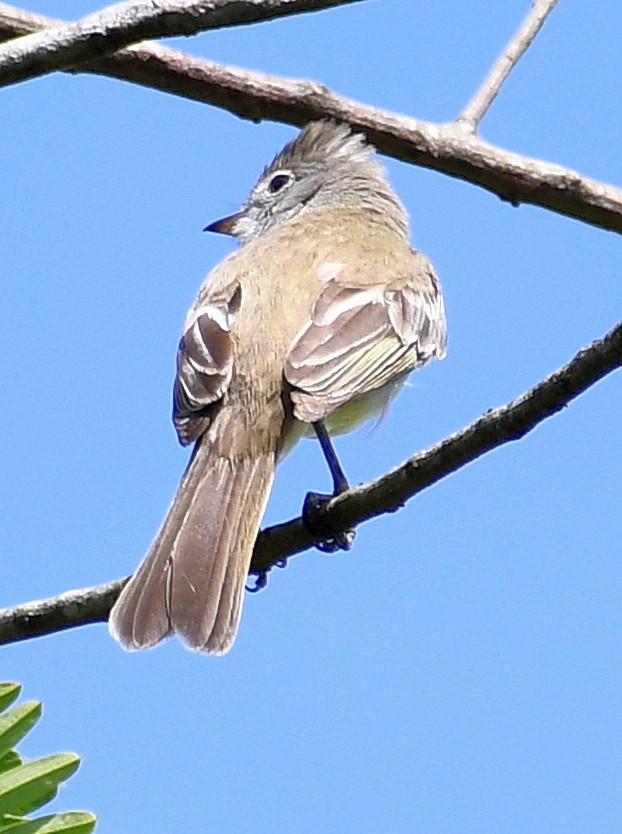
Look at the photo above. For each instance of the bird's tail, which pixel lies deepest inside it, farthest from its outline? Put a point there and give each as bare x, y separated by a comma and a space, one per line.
192, 579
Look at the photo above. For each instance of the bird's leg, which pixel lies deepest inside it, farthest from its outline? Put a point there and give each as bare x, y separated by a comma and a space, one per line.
340, 481
315, 503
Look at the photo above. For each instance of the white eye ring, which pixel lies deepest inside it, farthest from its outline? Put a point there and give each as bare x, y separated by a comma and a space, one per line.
279, 181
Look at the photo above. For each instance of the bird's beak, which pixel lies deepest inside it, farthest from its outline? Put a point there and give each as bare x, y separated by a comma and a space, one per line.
226, 226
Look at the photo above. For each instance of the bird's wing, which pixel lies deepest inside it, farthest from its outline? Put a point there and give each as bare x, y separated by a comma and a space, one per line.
204, 361
360, 337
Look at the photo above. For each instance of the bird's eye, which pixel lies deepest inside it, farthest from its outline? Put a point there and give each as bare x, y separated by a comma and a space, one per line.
278, 182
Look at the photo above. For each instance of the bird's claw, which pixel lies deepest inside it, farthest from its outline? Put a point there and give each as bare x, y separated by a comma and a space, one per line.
261, 580
326, 540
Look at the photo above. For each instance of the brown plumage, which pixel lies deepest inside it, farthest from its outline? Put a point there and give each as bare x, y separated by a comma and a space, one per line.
318, 316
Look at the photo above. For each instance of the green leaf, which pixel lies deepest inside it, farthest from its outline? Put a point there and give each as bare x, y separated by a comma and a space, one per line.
10, 759
17, 722
70, 822
9, 692
27, 787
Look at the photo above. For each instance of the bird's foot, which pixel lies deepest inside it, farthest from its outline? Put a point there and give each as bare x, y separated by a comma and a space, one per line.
314, 518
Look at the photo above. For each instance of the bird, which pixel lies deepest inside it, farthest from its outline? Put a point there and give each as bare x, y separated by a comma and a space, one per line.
309, 328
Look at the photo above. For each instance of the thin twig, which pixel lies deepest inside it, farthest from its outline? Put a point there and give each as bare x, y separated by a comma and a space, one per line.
386, 494
473, 113
445, 148
124, 23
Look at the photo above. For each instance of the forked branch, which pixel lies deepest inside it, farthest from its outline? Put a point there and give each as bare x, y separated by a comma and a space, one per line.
475, 110
447, 148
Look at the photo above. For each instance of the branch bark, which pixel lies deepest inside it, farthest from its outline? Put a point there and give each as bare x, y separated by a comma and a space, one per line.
476, 109
384, 495
124, 23
445, 148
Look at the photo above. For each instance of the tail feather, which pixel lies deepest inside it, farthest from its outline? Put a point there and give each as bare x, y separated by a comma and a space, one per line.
192, 579
200, 555
225, 626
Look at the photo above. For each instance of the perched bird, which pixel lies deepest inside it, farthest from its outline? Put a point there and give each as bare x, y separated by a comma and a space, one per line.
311, 326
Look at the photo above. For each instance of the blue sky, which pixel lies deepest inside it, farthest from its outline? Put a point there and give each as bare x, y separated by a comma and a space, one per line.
460, 669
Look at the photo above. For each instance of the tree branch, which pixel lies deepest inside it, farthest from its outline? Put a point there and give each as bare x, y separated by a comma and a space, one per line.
384, 495
105, 32
445, 148
475, 110
47, 616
